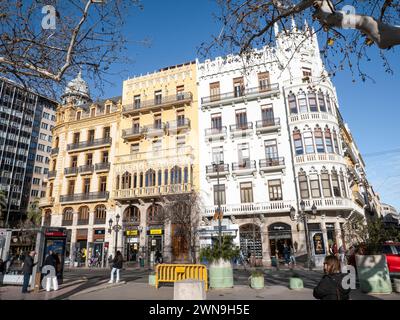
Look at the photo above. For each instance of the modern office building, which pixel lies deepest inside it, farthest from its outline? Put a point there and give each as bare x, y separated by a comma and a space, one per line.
26, 121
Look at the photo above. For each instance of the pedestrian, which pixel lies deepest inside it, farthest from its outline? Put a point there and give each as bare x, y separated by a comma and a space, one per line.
52, 278
286, 253
331, 285
27, 270
292, 257
335, 250
116, 266
158, 257
342, 255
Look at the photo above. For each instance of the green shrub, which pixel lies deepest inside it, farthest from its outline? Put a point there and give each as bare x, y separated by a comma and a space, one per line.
227, 251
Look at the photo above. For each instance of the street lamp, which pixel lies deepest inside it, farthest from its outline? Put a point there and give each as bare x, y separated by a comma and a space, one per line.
116, 229
219, 206
304, 216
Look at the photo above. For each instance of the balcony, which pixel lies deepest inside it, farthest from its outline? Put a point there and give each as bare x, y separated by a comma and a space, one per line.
158, 103
153, 131
212, 171
216, 134
54, 151
102, 167
135, 133
272, 165
177, 126
320, 157
247, 94
358, 198
251, 208
153, 191
246, 167
46, 202
241, 130
329, 204
88, 169
99, 221
83, 222
66, 223
52, 174
85, 197
268, 125
86, 145
307, 116
72, 171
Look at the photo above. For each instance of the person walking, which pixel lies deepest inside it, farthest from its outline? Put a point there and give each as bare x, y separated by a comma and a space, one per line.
342, 255
158, 257
331, 285
286, 253
27, 270
116, 266
292, 257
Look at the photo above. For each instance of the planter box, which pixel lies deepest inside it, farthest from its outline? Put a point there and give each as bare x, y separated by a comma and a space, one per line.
152, 280
295, 283
221, 274
257, 282
13, 279
373, 274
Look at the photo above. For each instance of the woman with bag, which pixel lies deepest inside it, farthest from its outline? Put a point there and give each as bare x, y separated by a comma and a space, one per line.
331, 285
116, 266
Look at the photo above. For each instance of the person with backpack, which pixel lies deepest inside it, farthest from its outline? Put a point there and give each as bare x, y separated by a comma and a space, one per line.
116, 266
331, 285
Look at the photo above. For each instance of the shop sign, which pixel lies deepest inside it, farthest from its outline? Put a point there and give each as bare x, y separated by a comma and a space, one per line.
130, 233
155, 231
318, 241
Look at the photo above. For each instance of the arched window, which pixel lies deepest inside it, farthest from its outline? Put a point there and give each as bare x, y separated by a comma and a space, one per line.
321, 101
312, 101
47, 218
68, 217
126, 180
343, 184
165, 177
51, 189
100, 213
292, 104
335, 141
303, 184
131, 215
308, 142
57, 142
83, 215
117, 182
154, 213
141, 180
159, 177
185, 175
319, 140
326, 184
135, 180
314, 185
298, 144
302, 102
335, 184
328, 103
328, 140
176, 175
150, 178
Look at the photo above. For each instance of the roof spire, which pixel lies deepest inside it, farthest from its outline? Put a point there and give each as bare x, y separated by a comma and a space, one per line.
293, 23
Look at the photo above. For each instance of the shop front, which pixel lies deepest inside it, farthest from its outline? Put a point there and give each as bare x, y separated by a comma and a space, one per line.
317, 243
97, 248
280, 234
155, 242
251, 242
81, 246
132, 245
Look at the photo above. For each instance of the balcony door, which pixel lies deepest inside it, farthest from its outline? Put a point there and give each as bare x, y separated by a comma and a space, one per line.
238, 87
216, 122
243, 155
157, 97
218, 155
271, 150
267, 114
241, 119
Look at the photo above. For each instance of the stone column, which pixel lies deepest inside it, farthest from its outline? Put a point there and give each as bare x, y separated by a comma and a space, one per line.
324, 234
143, 234
167, 256
338, 234
266, 259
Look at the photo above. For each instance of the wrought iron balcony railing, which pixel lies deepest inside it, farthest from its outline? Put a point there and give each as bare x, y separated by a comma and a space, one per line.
103, 166
81, 197
55, 151
241, 126
71, 171
272, 162
244, 165
89, 144
86, 169
268, 123
52, 174
215, 168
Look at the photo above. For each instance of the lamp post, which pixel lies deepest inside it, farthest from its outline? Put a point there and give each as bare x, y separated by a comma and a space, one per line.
216, 165
116, 229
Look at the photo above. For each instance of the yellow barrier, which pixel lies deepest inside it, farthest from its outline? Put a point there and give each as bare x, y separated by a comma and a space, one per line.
177, 272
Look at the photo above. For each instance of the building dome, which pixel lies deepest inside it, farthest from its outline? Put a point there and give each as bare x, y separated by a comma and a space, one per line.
77, 90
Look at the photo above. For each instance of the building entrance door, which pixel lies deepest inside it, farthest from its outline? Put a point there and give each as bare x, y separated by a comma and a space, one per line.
279, 235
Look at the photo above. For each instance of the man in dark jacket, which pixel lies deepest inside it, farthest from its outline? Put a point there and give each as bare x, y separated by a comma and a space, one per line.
50, 260
27, 270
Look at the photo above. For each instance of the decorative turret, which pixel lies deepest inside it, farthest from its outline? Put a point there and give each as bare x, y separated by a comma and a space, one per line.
76, 92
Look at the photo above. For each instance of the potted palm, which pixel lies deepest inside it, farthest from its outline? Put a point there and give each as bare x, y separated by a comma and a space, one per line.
257, 279
371, 264
220, 265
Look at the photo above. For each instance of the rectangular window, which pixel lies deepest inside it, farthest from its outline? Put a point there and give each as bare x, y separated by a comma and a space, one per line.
93, 112
74, 161
157, 121
108, 108
34, 193
48, 149
219, 194
218, 154
44, 126
319, 142
293, 104
39, 158
135, 148
335, 141
157, 145
103, 184
90, 136
136, 125
344, 192
303, 183
326, 185
275, 190
314, 185
157, 97
36, 181
328, 104
321, 101
136, 101
302, 103
89, 159
214, 91
42, 136
76, 137
106, 132
180, 118
238, 86
241, 118
104, 157
263, 81
271, 149
312, 101
216, 121
78, 115
71, 187
180, 92
41, 147
246, 192
267, 114
86, 185
328, 141
306, 74
308, 142
46, 115
335, 185
243, 153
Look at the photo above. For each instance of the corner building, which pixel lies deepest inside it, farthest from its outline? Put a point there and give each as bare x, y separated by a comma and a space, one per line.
271, 124
157, 158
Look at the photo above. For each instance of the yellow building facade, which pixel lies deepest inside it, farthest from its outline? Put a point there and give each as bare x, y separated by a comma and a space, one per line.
156, 159
78, 194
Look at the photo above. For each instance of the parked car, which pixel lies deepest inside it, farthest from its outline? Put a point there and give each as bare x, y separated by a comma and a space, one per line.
390, 249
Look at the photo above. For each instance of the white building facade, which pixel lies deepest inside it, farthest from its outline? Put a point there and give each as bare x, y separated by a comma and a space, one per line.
270, 143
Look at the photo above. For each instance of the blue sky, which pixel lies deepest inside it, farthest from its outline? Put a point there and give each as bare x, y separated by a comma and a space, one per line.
176, 28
